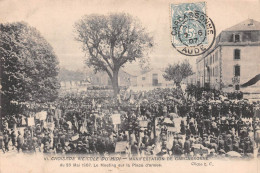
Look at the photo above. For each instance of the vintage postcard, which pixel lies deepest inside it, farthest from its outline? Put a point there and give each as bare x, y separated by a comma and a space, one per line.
129, 86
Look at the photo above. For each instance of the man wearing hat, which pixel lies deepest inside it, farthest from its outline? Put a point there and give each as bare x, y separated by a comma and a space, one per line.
2, 142
221, 143
248, 145
228, 144
187, 146
59, 149
200, 128
236, 144
188, 131
79, 148
55, 139
19, 141
13, 138
212, 153
221, 154
6, 141
46, 148
183, 128
175, 142
192, 128
163, 152
177, 150
134, 149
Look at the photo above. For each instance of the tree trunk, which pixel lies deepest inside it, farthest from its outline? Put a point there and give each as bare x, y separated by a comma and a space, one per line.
178, 84
114, 81
1, 123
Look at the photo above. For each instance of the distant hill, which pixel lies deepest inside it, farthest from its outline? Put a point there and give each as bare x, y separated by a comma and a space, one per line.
69, 75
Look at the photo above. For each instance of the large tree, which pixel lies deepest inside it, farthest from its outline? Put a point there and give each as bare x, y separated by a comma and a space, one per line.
177, 72
111, 41
29, 67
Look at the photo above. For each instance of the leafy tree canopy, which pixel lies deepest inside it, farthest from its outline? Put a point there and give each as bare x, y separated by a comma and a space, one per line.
178, 71
29, 67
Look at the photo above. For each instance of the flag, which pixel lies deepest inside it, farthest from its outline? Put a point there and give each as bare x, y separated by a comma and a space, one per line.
130, 95
251, 81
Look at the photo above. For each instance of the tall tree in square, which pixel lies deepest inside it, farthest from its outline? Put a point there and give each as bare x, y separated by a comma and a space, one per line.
110, 41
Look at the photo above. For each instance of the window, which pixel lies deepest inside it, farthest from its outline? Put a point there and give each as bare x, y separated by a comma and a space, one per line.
237, 70
155, 76
237, 38
237, 87
109, 81
216, 71
216, 56
143, 78
237, 54
155, 79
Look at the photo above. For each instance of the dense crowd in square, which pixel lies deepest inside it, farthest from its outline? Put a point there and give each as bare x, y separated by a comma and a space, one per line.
191, 123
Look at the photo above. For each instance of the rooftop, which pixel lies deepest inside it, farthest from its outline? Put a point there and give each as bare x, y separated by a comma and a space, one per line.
224, 36
247, 25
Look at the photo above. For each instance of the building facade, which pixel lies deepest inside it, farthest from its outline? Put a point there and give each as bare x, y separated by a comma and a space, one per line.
152, 78
102, 79
234, 59
192, 79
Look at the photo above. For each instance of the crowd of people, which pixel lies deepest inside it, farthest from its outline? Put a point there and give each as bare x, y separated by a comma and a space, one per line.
157, 122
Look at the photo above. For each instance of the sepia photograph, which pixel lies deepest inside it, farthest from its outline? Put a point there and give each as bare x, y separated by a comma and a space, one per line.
129, 86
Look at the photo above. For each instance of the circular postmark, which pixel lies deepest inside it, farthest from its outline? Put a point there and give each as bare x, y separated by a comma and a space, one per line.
193, 33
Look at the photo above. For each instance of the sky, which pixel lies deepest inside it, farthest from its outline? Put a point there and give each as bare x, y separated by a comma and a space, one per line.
55, 20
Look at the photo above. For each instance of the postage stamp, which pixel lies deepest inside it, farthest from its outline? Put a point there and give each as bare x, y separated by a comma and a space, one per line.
193, 32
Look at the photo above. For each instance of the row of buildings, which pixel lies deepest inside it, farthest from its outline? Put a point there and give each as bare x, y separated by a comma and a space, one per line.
233, 63
152, 78
149, 78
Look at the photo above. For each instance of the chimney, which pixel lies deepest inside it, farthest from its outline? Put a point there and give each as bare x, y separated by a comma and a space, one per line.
251, 22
